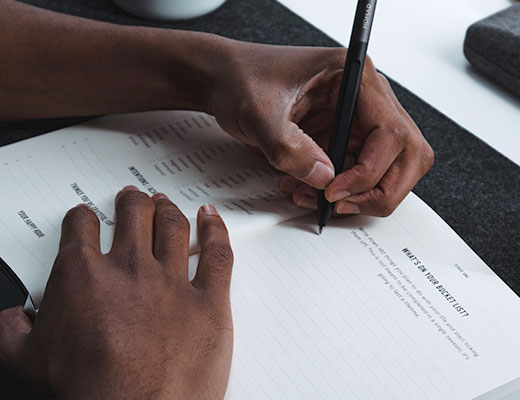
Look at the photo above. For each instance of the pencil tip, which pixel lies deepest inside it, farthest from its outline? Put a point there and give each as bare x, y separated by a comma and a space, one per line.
320, 230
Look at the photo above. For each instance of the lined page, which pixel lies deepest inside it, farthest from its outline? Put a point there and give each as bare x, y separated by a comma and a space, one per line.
183, 154
367, 311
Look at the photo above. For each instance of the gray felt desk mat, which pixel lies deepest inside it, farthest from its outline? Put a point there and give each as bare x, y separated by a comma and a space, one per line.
473, 188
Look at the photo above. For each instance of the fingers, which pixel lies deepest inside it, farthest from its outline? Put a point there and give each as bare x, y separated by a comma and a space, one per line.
305, 196
80, 228
393, 154
384, 197
383, 131
379, 152
216, 257
14, 327
400, 179
290, 150
134, 221
171, 236
301, 194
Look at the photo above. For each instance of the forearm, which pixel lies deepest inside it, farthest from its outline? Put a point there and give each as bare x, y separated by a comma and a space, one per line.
59, 65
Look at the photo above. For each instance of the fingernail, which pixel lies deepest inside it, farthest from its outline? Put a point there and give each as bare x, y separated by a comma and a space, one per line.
83, 205
320, 176
208, 209
126, 188
158, 196
347, 208
337, 195
307, 201
287, 186
129, 187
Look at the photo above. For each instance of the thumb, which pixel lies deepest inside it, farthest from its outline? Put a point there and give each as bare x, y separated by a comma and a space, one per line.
216, 256
15, 326
296, 153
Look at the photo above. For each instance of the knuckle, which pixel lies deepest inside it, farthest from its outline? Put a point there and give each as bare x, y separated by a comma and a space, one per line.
133, 198
383, 204
385, 209
279, 152
428, 156
369, 63
424, 153
346, 178
173, 217
383, 80
248, 106
68, 268
220, 252
74, 215
335, 57
130, 260
368, 174
370, 73
219, 319
215, 225
76, 255
84, 253
400, 133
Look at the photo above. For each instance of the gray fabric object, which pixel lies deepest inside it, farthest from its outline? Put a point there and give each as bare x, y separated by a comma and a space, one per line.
492, 46
472, 187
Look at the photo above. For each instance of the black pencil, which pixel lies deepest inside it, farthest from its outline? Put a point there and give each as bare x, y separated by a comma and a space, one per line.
347, 99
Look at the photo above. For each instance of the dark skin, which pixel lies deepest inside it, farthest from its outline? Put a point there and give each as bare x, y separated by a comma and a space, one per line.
129, 324
135, 307
278, 99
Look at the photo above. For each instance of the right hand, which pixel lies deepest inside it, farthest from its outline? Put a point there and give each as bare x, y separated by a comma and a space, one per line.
129, 324
282, 100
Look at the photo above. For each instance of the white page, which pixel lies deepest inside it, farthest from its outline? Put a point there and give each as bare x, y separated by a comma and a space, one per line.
183, 154
316, 316
313, 318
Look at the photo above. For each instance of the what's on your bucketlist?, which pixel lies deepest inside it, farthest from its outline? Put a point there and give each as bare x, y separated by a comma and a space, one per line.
435, 282
371, 309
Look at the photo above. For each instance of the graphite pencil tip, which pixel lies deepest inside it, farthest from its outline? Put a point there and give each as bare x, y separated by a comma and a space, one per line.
320, 229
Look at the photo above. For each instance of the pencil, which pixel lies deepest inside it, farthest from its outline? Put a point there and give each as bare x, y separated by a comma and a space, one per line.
347, 98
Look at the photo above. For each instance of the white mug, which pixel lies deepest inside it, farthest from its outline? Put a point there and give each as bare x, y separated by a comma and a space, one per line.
168, 9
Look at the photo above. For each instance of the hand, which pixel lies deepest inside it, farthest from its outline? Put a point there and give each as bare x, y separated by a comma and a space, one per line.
282, 100
129, 324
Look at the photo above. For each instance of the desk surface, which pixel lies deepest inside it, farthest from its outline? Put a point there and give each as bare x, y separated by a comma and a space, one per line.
419, 44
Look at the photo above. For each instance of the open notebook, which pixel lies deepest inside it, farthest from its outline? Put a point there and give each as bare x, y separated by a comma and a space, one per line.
394, 308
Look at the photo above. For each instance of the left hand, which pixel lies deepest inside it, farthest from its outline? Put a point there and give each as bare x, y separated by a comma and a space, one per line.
129, 324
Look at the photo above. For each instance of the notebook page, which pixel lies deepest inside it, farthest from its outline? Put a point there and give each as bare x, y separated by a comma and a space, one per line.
183, 154
395, 308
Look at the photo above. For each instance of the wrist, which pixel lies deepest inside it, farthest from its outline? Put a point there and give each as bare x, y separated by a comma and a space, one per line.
186, 67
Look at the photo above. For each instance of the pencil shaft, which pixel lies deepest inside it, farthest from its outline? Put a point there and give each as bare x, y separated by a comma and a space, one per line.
347, 98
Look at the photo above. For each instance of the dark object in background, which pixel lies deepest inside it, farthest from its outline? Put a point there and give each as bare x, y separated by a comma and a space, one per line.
13, 292
492, 46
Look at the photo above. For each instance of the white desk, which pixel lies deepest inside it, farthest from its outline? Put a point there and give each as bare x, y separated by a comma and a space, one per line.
419, 44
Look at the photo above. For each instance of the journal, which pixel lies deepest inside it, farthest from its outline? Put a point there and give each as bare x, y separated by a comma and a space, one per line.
393, 308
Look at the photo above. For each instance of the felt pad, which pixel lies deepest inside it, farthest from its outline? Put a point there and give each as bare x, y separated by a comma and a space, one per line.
472, 187
492, 45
